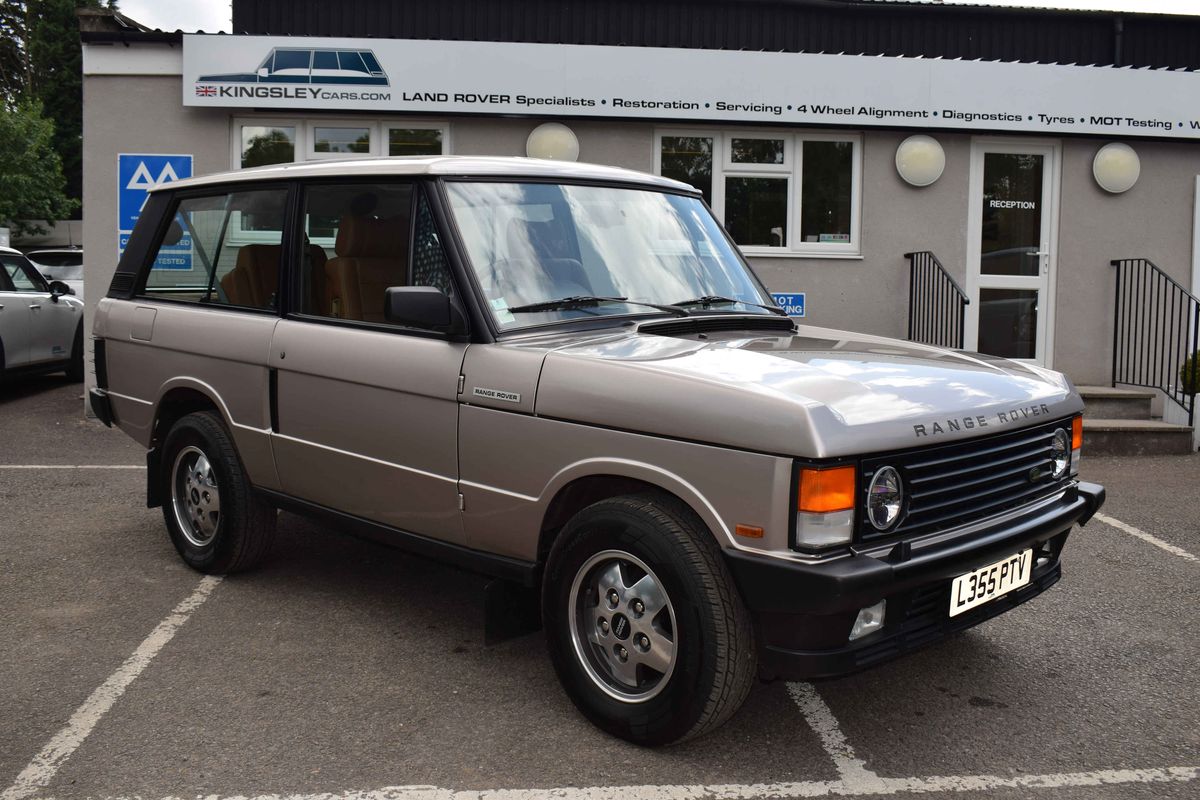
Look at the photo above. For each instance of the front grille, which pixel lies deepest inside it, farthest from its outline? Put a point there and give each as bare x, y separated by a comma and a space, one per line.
950, 485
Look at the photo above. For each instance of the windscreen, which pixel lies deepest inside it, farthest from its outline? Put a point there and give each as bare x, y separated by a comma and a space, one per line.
536, 243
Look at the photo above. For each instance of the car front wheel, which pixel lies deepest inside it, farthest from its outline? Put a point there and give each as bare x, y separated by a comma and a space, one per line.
645, 628
215, 520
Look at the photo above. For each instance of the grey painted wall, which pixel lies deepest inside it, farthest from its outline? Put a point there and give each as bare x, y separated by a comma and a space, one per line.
134, 115
870, 293
1152, 220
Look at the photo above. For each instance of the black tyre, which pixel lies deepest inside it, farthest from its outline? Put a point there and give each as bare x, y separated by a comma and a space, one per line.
215, 520
644, 625
75, 367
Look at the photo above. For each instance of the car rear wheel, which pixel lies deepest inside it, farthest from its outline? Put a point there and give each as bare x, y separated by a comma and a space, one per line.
646, 631
215, 520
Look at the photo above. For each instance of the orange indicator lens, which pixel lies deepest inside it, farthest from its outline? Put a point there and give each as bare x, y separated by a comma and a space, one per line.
1077, 433
825, 490
749, 531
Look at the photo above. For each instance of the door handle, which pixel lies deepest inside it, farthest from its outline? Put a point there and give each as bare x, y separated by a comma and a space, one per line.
36, 306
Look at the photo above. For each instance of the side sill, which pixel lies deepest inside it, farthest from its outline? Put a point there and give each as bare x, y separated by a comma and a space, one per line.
525, 573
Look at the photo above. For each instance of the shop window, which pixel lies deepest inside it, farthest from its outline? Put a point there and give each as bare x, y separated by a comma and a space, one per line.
259, 142
342, 141
200, 258
793, 194
268, 144
415, 141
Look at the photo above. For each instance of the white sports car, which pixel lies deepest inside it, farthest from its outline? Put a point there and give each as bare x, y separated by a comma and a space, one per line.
41, 322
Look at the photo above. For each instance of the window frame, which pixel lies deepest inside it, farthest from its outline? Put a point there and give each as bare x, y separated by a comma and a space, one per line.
292, 308
792, 169
282, 294
305, 142
32, 274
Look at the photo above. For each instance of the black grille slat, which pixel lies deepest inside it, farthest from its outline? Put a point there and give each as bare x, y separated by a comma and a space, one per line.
1040, 455
962, 482
995, 507
978, 453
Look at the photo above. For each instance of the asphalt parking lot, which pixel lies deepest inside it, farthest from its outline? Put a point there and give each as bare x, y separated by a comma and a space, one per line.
342, 669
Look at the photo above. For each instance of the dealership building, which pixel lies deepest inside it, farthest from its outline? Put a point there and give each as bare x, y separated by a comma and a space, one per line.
954, 174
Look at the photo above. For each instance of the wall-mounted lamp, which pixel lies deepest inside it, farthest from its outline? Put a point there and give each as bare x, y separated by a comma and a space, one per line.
552, 140
1116, 167
920, 160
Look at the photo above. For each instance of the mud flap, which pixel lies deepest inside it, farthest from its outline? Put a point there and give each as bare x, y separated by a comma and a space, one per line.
510, 610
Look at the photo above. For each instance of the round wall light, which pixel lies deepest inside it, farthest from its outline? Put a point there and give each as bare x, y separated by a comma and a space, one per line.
920, 160
1116, 167
552, 140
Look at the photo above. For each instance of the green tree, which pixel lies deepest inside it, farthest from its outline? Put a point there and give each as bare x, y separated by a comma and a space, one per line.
31, 175
13, 64
55, 76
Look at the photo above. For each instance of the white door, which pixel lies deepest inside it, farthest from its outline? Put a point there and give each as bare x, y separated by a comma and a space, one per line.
1012, 238
14, 325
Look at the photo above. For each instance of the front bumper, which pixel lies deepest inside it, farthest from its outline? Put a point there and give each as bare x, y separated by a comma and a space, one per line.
804, 611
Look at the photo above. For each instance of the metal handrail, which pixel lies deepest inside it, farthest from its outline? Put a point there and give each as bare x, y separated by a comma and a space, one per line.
1156, 330
937, 305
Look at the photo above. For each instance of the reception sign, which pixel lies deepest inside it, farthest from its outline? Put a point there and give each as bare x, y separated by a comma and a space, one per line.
654, 83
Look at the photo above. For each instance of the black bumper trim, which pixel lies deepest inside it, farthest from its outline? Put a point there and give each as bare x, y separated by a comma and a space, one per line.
913, 634
101, 406
853, 582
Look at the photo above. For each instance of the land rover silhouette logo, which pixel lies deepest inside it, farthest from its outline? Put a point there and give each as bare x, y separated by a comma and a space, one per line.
307, 65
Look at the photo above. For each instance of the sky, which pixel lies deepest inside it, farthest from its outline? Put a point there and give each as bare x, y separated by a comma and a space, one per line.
213, 15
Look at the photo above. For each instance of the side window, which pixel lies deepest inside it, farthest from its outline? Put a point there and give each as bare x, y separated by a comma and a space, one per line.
430, 267
356, 245
23, 277
205, 257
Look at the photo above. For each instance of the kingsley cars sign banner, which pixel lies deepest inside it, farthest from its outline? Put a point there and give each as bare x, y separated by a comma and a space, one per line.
651, 83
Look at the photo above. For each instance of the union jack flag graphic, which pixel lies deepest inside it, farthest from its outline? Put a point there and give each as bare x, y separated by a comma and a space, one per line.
206, 91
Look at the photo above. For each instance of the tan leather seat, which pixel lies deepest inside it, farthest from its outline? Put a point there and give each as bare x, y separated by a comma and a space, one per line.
254, 279
371, 255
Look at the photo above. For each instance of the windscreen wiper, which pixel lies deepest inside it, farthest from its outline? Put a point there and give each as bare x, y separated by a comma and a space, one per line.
715, 299
587, 301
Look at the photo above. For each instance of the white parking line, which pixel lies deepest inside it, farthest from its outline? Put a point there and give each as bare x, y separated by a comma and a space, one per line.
72, 466
885, 786
45, 764
1147, 537
851, 769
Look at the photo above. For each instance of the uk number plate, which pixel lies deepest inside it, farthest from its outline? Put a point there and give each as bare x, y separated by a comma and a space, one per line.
988, 583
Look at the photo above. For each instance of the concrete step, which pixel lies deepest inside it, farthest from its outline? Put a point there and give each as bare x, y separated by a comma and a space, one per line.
1106, 402
1133, 437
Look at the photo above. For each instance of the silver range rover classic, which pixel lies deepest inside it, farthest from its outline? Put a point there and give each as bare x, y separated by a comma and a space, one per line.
567, 377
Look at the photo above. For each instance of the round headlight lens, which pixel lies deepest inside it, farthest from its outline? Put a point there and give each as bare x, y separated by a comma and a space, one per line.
1061, 452
885, 498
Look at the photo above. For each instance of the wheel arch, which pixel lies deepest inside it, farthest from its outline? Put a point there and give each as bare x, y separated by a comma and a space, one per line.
178, 399
583, 486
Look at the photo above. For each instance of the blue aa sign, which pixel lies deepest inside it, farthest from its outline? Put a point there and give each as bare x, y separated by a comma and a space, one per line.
137, 173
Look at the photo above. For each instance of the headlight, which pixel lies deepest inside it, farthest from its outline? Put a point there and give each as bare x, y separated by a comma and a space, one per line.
1061, 452
885, 498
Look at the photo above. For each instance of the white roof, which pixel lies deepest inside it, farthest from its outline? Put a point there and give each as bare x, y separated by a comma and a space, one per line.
457, 166
9, 251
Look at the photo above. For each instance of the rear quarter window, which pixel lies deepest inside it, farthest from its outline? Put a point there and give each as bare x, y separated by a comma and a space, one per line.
223, 248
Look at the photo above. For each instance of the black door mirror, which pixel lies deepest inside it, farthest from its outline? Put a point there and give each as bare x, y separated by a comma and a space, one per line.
425, 307
58, 289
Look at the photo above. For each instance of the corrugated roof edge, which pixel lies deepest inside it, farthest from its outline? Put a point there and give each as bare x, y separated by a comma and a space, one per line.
442, 166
